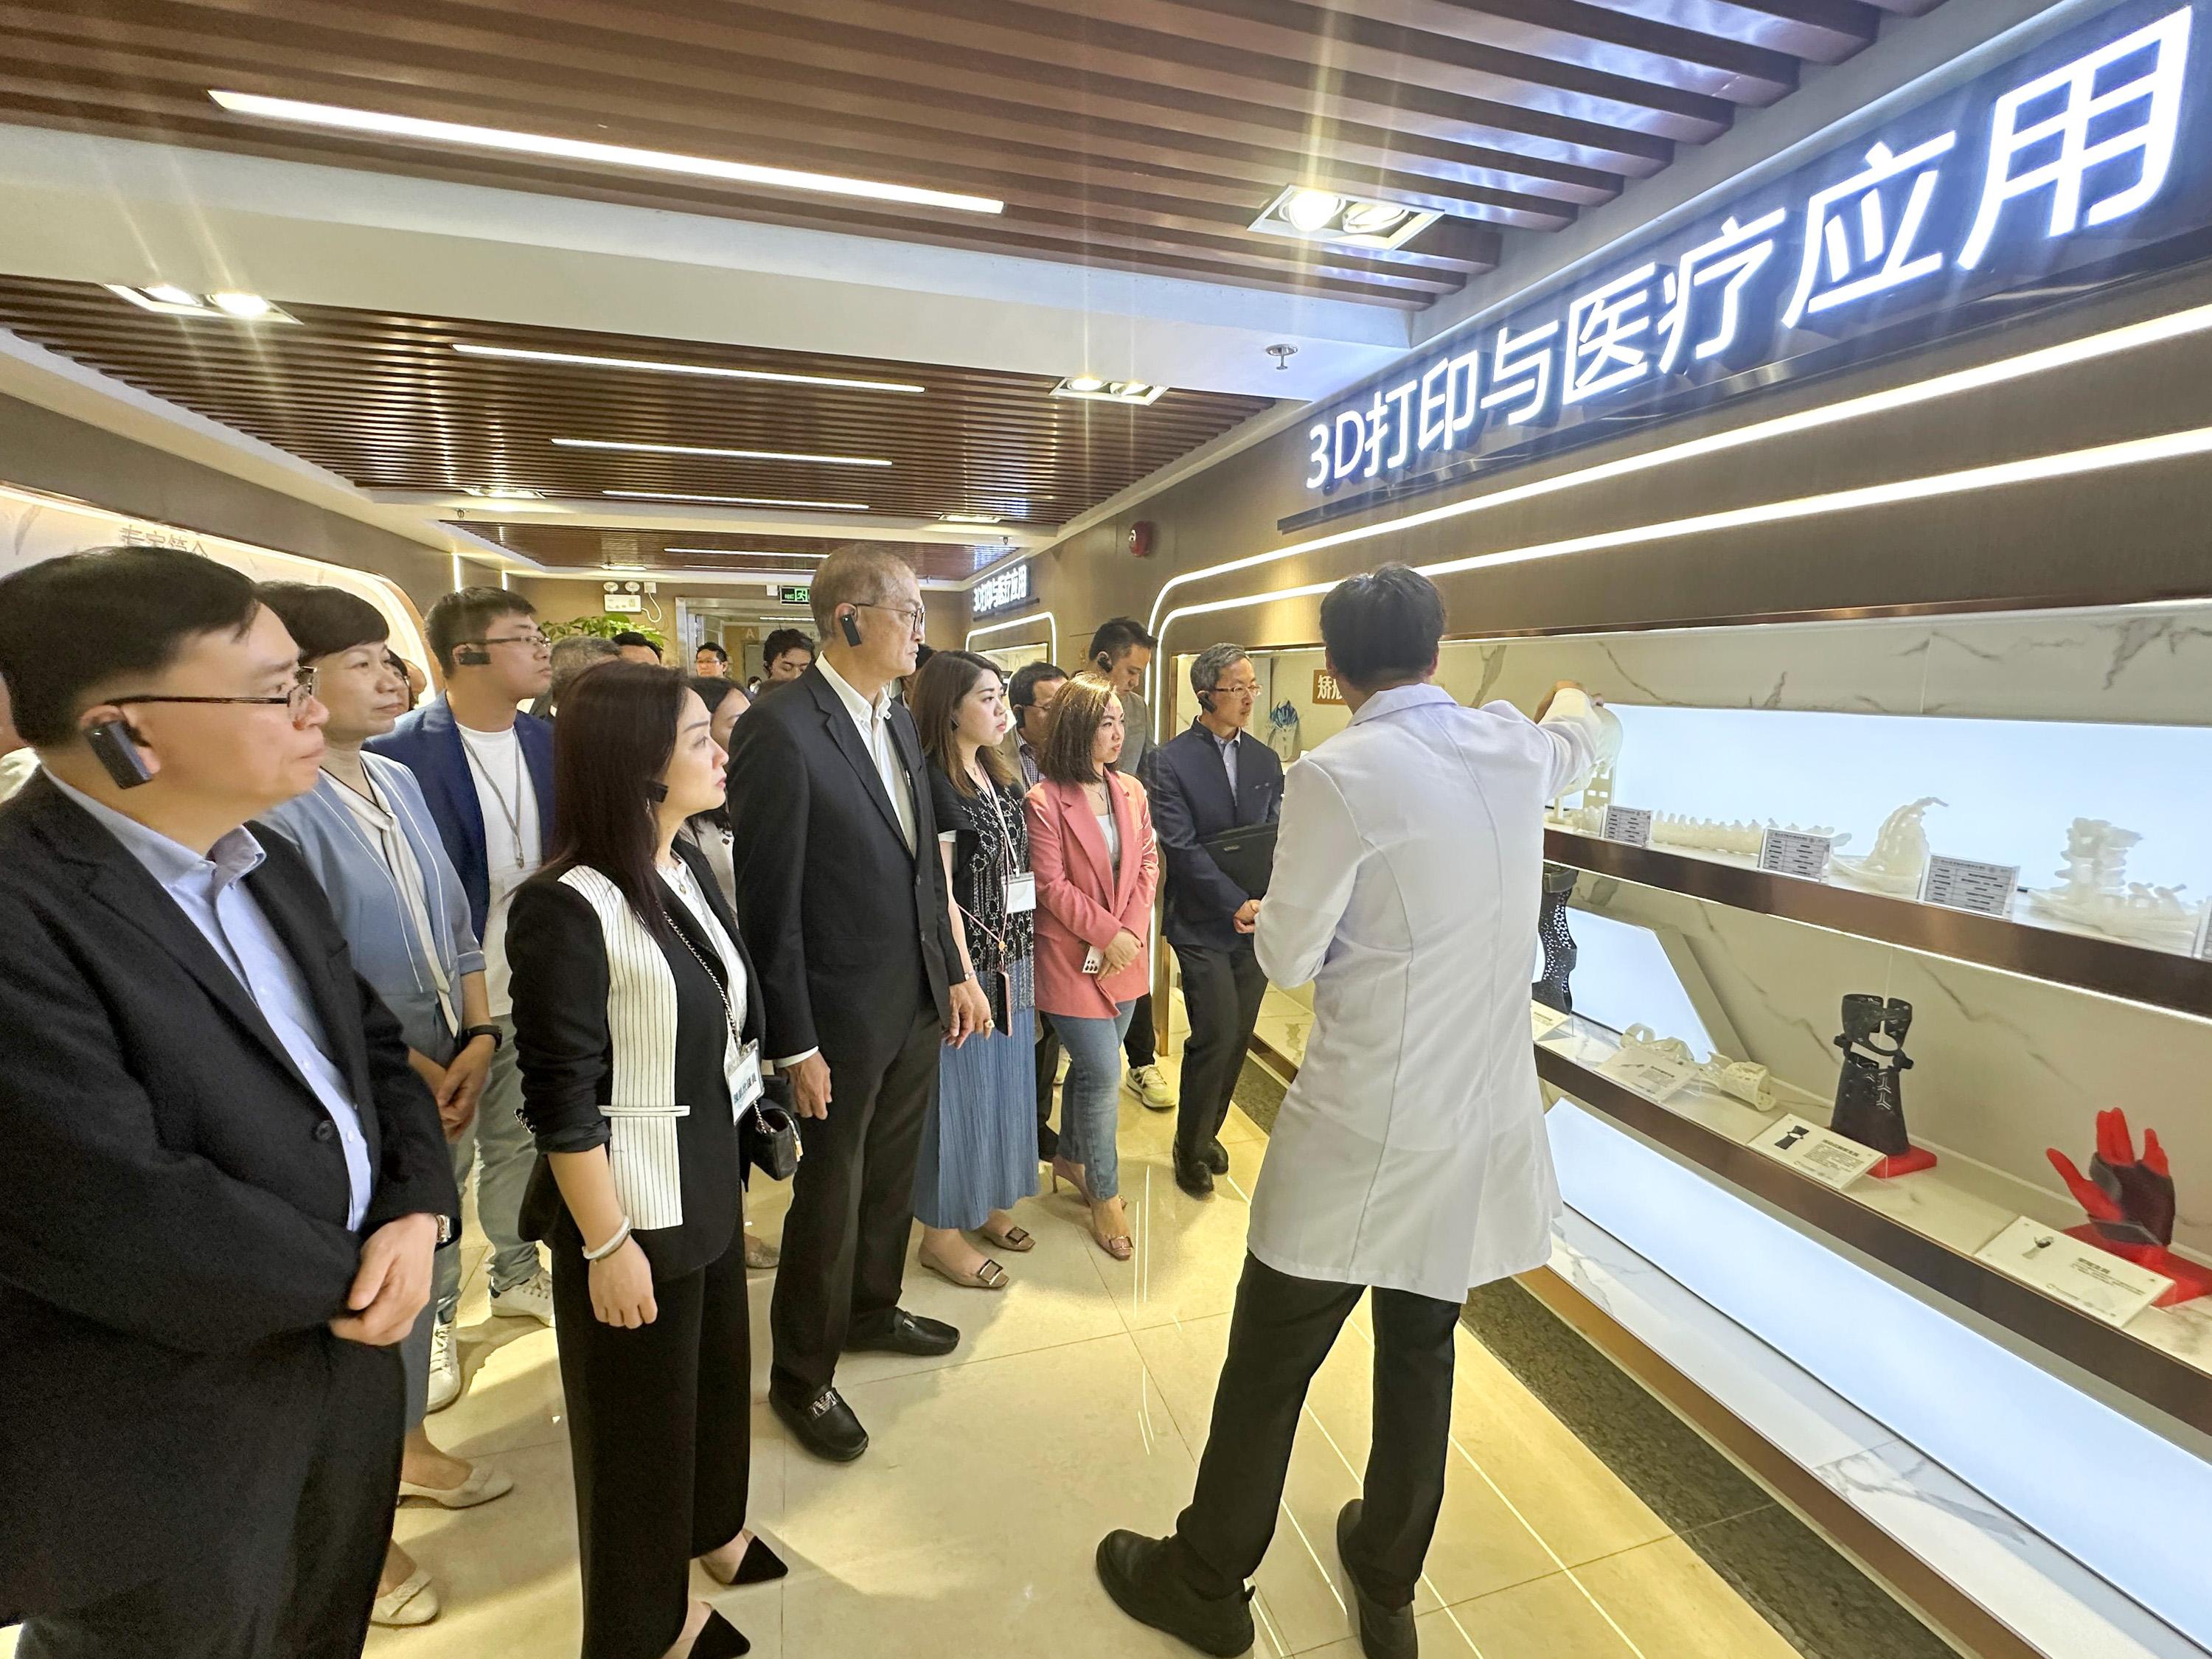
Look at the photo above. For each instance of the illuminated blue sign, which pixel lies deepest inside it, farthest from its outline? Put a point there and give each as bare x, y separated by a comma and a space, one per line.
2073, 154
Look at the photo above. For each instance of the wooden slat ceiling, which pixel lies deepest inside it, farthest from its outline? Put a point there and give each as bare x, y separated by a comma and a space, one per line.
1141, 134
591, 547
387, 403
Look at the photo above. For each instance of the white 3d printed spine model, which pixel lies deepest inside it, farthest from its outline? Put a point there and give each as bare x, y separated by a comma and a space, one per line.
2097, 894
1713, 836
1743, 1079
1900, 858
1587, 815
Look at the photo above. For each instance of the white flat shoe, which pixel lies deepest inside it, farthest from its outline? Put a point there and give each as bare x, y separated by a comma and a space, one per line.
411, 1602
484, 1483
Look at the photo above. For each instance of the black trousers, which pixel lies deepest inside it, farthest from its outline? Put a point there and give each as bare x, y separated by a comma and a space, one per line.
1221, 993
1048, 1078
288, 1570
852, 1211
1282, 1330
1142, 1044
661, 1436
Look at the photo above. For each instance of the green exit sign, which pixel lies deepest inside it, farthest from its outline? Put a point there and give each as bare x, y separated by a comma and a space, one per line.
797, 595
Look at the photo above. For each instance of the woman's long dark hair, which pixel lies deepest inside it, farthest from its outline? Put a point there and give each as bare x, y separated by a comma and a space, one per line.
941, 686
614, 739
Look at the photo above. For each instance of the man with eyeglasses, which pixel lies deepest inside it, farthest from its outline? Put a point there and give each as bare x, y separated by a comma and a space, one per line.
841, 898
487, 776
223, 1183
1213, 777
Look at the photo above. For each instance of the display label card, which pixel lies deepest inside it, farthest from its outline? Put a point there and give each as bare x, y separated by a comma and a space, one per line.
1966, 884
1630, 823
1794, 852
2080, 1275
1813, 1150
1655, 1077
1544, 1020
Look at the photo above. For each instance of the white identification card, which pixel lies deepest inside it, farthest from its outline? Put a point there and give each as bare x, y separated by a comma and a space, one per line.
2096, 1281
1543, 1020
1794, 852
1831, 1159
1630, 823
1655, 1077
1020, 893
745, 1087
1968, 885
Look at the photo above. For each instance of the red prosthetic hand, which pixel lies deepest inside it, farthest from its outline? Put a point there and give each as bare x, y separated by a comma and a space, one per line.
2130, 1204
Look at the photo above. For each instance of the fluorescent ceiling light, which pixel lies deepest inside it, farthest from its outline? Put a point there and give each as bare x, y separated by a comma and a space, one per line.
732, 501
504, 493
1108, 391
734, 454
518, 355
745, 552
577, 149
971, 518
1322, 215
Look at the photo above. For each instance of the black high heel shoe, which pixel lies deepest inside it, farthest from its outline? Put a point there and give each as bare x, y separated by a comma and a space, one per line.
720, 1639
760, 1565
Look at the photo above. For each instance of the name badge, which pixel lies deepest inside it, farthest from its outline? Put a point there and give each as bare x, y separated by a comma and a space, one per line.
1021, 893
745, 1086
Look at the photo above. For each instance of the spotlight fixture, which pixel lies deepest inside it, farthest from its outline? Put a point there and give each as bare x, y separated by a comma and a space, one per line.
455, 134
517, 353
1320, 216
732, 454
167, 300
732, 501
1108, 391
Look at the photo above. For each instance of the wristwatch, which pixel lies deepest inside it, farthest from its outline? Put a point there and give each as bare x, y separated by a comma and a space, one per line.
492, 1031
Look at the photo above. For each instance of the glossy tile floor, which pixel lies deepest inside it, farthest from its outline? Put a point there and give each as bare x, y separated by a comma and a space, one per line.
1078, 1401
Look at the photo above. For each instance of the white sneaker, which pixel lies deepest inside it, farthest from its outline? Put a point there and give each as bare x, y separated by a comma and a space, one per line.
1150, 1085
530, 1299
445, 1366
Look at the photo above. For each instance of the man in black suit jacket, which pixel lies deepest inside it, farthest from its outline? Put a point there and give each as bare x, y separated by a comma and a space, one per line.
1215, 776
841, 894
222, 1182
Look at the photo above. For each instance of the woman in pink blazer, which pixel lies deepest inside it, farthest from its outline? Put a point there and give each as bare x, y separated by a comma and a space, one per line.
1096, 864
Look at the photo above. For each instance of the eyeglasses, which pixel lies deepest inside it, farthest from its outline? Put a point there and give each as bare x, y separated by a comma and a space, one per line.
532, 639
916, 617
1237, 690
295, 702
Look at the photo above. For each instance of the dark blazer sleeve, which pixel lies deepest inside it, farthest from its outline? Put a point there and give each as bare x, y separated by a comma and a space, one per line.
415, 1170
185, 1254
928, 825
1198, 880
769, 794
560, 1015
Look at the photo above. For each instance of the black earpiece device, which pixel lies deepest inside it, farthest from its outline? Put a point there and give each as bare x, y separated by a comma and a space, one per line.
851, 629
116, 743
472, 656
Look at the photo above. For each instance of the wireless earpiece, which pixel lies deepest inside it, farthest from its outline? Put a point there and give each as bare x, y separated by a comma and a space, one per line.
851, 629
472, 656
116, 744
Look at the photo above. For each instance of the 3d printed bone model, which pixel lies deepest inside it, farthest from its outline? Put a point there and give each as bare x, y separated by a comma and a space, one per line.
1899, 857
2131, 1205
1747, 1081
1870, 1093
2096, 894
1552, 990
1713, 836
1587, 814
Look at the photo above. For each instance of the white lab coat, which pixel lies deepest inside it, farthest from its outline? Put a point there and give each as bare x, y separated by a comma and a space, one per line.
1410, 1153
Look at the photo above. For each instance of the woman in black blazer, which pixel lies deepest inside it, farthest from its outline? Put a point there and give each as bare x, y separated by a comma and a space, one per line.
637, 1024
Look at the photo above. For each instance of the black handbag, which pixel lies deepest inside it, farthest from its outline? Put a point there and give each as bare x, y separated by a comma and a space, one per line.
772, 1146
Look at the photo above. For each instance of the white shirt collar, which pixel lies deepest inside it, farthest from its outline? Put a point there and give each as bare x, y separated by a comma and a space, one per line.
235, 853
859, 707
1401, 696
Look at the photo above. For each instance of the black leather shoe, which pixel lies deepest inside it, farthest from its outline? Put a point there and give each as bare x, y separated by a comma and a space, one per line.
1193, 1176
1384, 1632
906, 1333
1216, 1156
1144, 1584
721, 1639
825, 1424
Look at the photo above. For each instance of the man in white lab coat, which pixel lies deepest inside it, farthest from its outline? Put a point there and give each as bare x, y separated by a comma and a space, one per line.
1409, 1157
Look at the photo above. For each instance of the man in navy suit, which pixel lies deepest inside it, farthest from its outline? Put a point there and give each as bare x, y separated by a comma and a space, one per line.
1213, 777
487, 773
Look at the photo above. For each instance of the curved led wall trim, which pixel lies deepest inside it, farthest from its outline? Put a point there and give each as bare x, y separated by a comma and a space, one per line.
2136, 452
2132, 336
1045, 616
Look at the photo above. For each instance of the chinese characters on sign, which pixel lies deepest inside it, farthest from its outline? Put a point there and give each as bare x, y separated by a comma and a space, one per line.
2061, 158
1010, 587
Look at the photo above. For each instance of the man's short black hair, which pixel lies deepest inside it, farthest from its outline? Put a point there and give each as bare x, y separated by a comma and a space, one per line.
1029, 676
1117, 635
465, 614
783, 640
323, 620
711, 649
1382, 626
631, 636
85, 622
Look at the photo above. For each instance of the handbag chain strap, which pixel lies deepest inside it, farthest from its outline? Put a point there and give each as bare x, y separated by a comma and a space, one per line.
729, 1012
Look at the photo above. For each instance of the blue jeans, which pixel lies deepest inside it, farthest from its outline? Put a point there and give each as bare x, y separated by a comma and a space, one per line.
1091, 1099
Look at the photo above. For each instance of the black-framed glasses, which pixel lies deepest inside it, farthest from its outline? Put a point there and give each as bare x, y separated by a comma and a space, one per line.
532, 639
295, 702
917, 619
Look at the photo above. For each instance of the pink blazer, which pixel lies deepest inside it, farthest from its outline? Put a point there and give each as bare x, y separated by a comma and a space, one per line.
1079, 902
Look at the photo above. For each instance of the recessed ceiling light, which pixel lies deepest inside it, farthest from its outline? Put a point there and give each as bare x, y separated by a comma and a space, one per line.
745, 552
1110, 391
734, 454
504, 493
732, 501
169, 294
170, 300
576, 149
971, 518
1321, 215
245, 307
518, 353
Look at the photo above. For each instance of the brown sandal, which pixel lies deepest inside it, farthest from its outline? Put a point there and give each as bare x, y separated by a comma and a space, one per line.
1017, 1239
1119, 1245
988, 1277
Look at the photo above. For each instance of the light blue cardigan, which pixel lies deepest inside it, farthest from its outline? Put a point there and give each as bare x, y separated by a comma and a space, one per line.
371, 910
